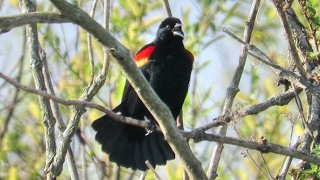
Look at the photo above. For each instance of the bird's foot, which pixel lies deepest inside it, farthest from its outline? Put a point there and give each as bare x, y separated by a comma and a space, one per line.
151, 127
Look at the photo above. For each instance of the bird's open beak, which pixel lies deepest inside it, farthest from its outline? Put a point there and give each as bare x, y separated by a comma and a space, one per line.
177, 30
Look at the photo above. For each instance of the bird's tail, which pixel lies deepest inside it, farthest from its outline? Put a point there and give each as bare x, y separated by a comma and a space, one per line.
128, 146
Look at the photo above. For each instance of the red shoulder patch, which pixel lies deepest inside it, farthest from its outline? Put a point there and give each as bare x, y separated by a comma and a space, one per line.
191, 55
142, 56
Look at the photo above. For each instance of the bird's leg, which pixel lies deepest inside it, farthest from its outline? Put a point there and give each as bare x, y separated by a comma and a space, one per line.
151, 127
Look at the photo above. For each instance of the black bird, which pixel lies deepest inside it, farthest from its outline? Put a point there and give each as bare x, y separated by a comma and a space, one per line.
167, 66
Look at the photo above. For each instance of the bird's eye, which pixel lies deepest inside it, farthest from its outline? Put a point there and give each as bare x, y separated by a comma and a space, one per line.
168, 27
177, 28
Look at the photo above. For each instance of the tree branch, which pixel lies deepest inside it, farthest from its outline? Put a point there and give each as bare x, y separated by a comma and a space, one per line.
277, 100
233, 90
287, 163
261, 145
9, 22
166, 6
37, 54
197, 134
61, 124
292, 48
291, 76
89, 42
56, 99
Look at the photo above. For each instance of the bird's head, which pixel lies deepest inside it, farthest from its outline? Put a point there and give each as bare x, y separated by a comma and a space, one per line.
170, 29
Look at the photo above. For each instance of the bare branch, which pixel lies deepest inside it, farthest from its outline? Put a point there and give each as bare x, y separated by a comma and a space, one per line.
288, 161
277, 100
166, 6
44, 94
92, 74
261, 145
9, 22
255, 163
302, 117
233, 90
288, 32
61, 124
90, 49
37, 54
143, 175
293, 77
152, 170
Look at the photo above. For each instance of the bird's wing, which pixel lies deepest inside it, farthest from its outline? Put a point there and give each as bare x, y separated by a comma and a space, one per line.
131, 105
142, 56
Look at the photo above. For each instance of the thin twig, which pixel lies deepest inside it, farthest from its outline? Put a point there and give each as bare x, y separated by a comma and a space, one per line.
167, 9
15, 99
264, 162
255, 163
57, 114
44, 94
288, 32
276, 100
72, 165
90, 49
106, 24
36, 54
294, 78
265, 147
152, 170
143, 175
106, 58
287, 163
92, 73
302, 117
232, 90
83, 151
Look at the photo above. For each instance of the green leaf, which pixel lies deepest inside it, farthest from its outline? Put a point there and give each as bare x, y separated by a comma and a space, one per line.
313, 55
315, 21
310, 11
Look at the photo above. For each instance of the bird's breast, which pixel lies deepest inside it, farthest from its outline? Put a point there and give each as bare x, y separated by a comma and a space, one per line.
171, 76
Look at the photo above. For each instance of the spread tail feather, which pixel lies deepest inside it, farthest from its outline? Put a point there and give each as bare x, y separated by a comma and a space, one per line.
128, 146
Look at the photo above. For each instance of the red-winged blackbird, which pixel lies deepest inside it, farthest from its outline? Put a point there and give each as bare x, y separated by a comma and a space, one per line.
166, 65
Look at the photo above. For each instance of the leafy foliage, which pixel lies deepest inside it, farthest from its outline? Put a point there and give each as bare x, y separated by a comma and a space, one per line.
313, 172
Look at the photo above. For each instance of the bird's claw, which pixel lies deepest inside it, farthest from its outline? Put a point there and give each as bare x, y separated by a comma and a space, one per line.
149, 131
151, 127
